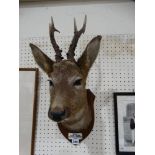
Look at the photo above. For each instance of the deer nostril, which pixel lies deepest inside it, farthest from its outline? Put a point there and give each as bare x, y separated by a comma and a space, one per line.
58, 114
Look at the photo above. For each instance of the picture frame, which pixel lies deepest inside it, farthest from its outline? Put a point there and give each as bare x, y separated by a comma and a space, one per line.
124, 110
28, 87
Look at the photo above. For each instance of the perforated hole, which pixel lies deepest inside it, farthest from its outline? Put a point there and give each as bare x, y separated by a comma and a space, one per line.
112, 71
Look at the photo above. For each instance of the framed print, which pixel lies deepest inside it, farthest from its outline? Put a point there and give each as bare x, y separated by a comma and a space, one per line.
124, 106
28, 83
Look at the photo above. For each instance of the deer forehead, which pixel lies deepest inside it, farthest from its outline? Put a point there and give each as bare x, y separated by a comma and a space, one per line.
65, 71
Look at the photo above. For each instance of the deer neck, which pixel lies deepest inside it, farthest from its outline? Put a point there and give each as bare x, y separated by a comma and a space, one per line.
83, 118
80, 121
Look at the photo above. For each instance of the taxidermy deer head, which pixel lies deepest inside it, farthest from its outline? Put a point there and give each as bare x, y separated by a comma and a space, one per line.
67, 79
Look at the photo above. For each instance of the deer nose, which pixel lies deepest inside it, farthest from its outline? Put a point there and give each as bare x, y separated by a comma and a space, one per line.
56, 115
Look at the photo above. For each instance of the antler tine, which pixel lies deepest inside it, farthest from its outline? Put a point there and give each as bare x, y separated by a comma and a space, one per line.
75, 27
77, 34
52, 29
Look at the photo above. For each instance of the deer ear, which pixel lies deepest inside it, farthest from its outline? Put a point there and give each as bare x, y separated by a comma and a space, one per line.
42, 59
89, 55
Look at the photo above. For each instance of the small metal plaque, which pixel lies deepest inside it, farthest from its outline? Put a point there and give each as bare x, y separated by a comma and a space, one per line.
75, 137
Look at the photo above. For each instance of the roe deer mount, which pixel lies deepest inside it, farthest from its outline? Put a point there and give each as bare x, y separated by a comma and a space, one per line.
69, 105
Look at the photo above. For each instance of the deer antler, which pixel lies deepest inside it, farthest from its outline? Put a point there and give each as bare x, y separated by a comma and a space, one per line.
77, 34
52, 29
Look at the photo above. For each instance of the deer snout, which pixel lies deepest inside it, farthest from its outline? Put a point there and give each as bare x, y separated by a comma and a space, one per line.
56, 114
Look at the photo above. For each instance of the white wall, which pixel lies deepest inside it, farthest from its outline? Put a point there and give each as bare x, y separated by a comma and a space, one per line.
103, 18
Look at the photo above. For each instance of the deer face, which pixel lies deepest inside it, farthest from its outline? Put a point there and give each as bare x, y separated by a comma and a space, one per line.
67, 90
67, 78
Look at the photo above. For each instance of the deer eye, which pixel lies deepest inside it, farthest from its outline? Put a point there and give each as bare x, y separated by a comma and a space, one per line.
77, 82
50, 83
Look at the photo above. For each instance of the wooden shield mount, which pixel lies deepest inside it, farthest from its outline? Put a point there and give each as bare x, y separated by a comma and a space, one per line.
76, 137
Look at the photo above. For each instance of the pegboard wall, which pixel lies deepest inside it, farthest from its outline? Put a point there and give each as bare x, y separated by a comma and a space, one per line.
113, 71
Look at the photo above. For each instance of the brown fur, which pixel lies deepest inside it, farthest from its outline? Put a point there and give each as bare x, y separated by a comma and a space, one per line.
64, 95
